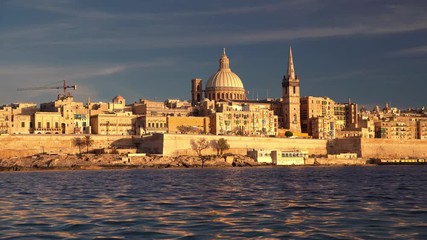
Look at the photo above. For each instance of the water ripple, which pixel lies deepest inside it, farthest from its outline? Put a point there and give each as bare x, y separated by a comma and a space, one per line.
274, 203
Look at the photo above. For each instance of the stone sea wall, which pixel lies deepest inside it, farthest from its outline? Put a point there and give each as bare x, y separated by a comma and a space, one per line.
180, 144
379, 148
28, 145
391, 148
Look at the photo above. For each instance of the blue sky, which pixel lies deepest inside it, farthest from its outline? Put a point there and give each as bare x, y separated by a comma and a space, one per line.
371, 51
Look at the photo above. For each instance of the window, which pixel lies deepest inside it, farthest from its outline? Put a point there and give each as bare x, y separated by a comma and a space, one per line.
39, 125
294, 89
48, 125
23, 124
56, 125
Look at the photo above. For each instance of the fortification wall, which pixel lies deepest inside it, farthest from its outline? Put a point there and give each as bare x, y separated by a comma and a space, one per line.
180, 144
345, 145
391, 148
27, 145
379, 148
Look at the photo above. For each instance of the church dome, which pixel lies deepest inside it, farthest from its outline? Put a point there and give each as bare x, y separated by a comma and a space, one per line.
224, 84
224, 77
118, 99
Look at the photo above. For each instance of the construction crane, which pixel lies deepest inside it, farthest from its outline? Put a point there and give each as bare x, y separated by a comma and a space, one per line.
60, 96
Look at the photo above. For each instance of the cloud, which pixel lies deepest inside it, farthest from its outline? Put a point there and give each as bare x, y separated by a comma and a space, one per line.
67, 8
64, 8
76, 72
99, 28
419, 50
24, 76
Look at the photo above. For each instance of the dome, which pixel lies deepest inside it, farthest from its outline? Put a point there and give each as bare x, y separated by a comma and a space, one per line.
224, 84
226, 79
118, 99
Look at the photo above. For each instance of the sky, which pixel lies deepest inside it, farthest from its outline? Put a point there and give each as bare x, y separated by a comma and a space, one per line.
370, 51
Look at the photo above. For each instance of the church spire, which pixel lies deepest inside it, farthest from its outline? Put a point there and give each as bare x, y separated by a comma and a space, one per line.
291, 69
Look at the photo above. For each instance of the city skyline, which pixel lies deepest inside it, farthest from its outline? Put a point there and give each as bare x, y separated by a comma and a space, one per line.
371, 52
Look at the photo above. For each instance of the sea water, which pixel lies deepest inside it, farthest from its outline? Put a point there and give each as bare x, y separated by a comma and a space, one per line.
381, 202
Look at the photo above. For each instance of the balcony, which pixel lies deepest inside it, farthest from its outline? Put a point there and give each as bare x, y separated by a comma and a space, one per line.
47, 130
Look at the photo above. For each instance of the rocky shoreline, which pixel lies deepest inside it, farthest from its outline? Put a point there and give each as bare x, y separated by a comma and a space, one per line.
116, 161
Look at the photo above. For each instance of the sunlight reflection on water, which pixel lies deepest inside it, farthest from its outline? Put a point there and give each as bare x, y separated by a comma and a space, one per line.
336, 202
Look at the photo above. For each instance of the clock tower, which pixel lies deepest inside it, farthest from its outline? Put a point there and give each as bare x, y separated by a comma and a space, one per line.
291, 98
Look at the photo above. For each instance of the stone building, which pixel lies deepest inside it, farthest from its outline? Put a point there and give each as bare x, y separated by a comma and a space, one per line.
118, 104
67, 109
114, 123
48, 123
314, 107
322, 127
340, 115
151, 124
17, 118
235, 118
396, 128
352, 115
170, 107
422, 128
5, 119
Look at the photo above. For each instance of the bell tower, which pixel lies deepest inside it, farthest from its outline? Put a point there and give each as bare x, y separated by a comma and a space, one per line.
196, 90
291, 98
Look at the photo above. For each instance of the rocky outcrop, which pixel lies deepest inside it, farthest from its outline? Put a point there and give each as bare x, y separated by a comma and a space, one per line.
92, 161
